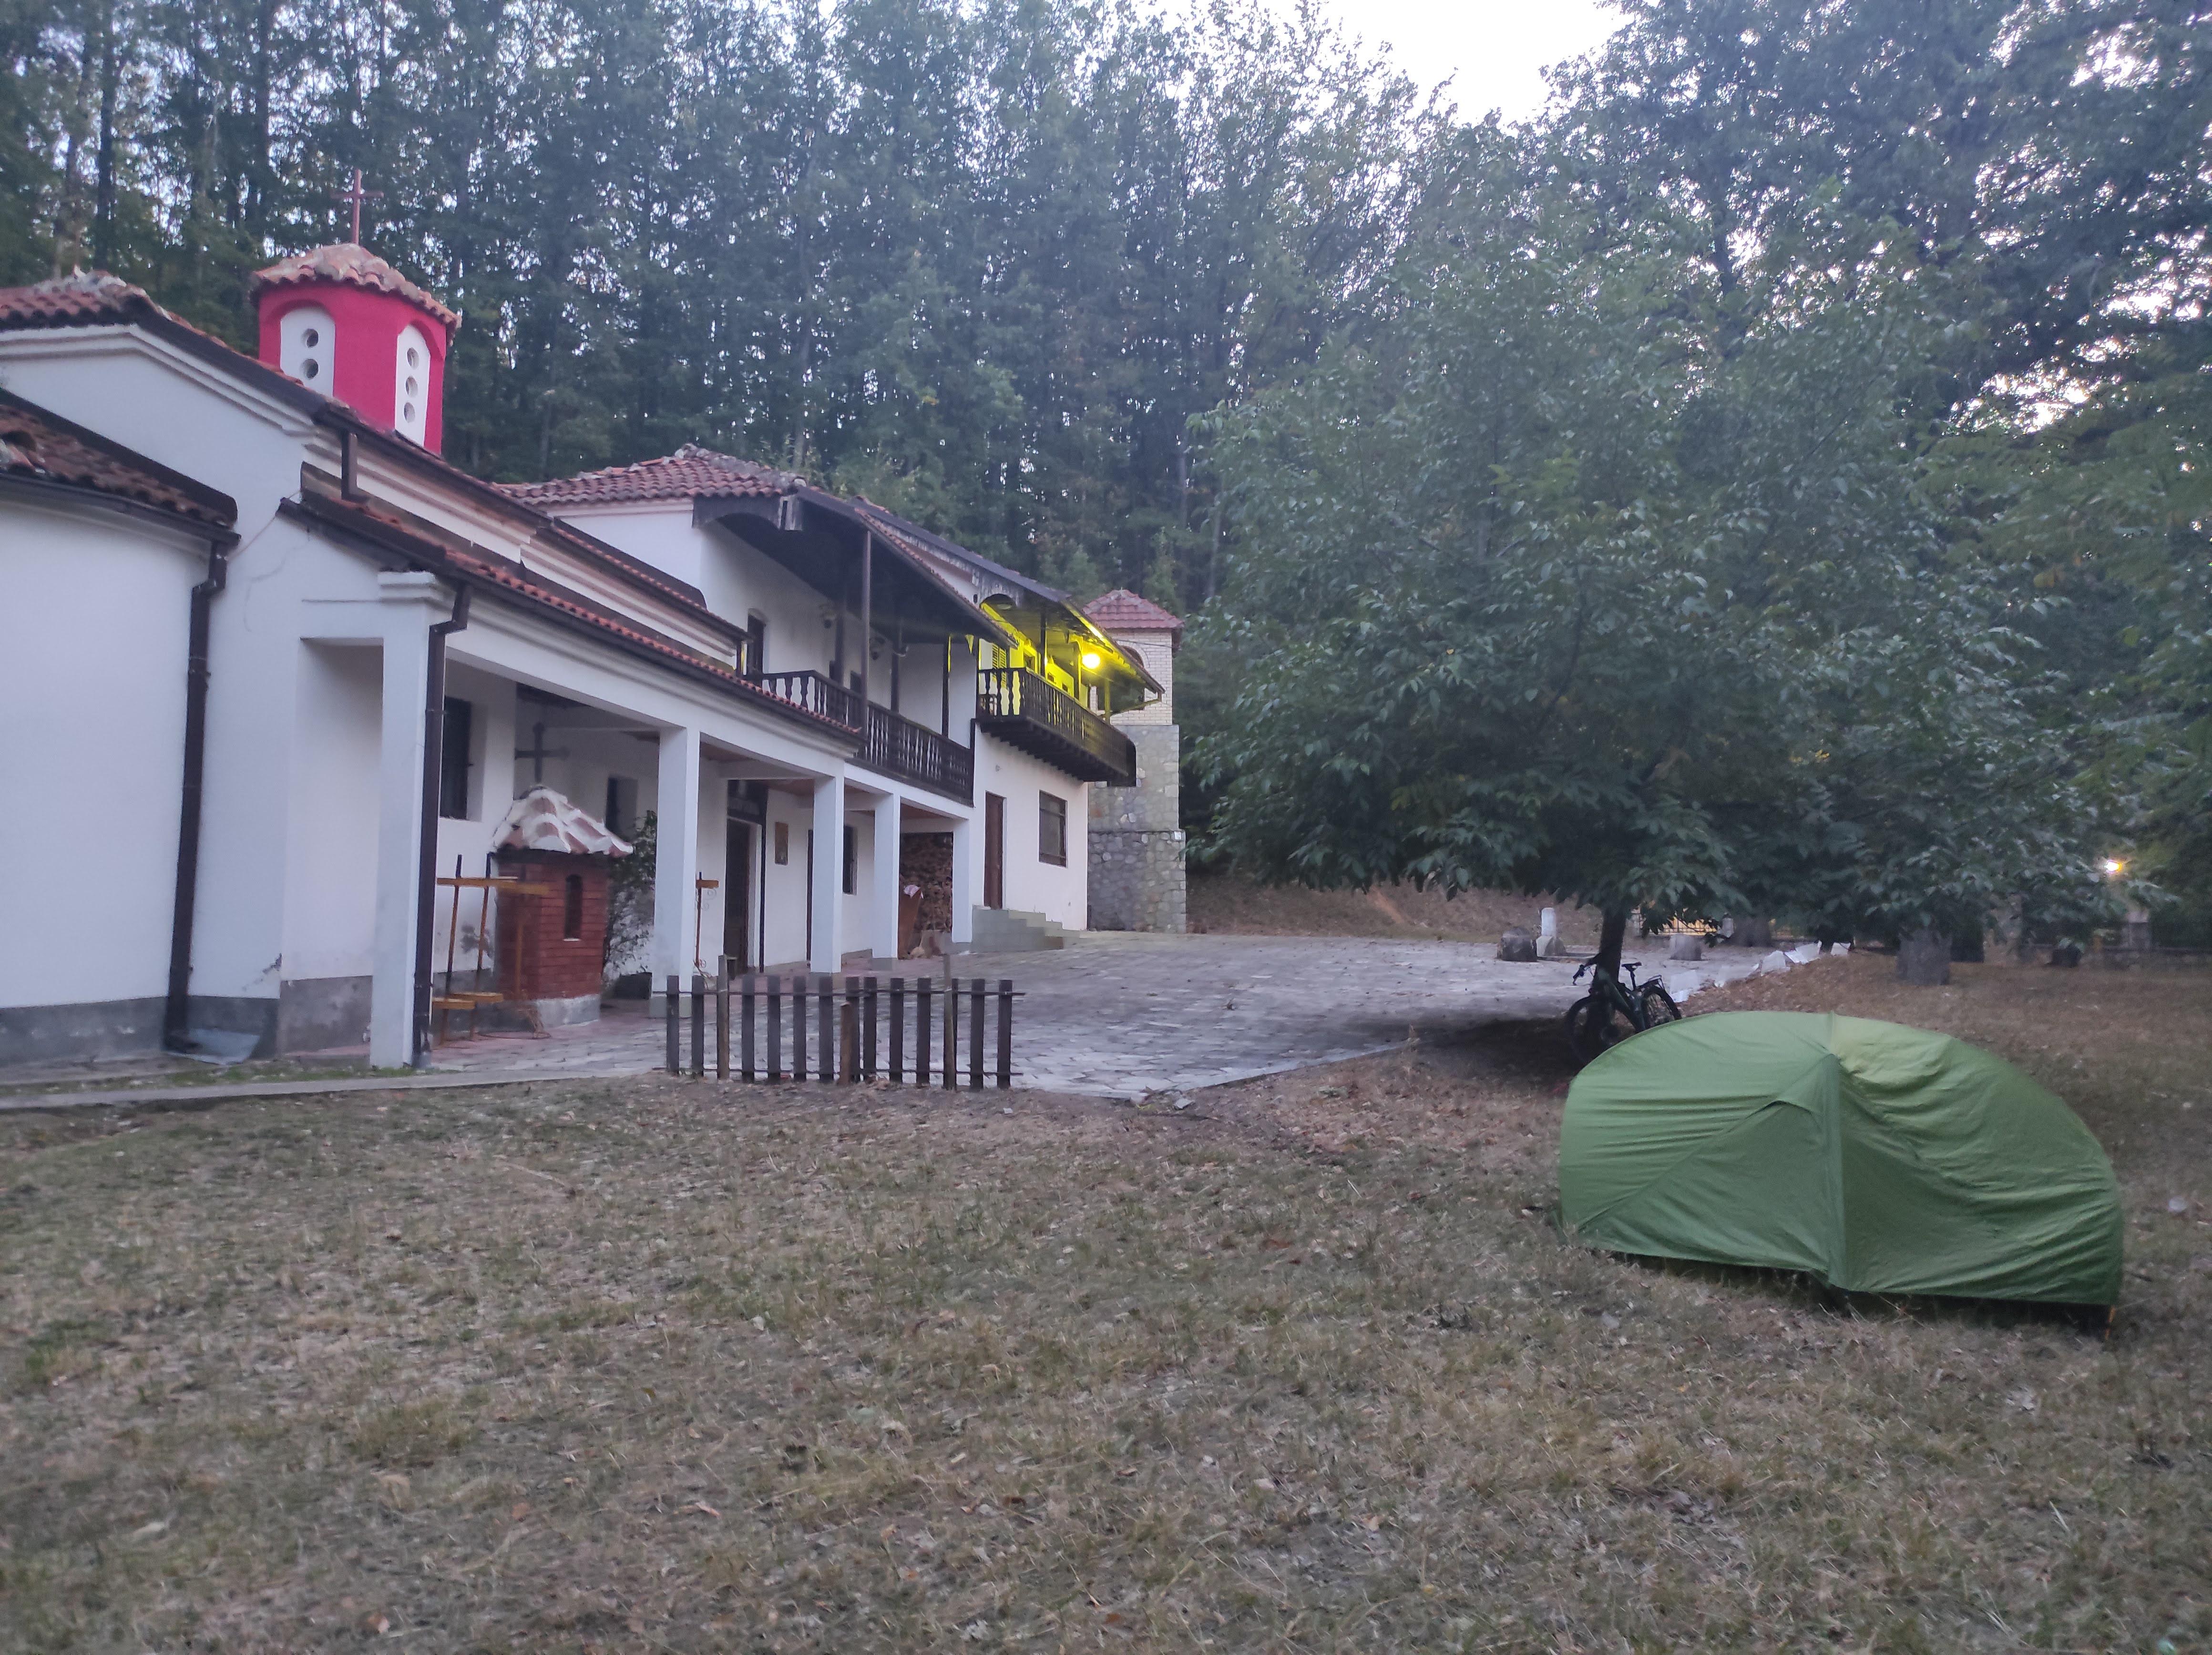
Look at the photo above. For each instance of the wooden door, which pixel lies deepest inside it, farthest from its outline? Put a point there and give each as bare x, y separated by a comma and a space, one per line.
737, 894
994, 852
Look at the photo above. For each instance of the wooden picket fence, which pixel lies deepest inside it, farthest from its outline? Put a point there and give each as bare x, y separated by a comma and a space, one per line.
906, 1029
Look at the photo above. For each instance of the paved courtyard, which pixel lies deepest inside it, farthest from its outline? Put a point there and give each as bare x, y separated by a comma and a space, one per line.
1125, 1014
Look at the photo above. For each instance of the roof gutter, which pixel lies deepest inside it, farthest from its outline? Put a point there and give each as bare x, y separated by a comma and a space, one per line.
176, 1011
426, 859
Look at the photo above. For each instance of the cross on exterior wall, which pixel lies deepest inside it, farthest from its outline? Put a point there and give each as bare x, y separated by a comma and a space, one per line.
537, 753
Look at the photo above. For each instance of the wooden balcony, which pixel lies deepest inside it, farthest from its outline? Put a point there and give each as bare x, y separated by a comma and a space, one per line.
892, 746
1021, 709
823, 697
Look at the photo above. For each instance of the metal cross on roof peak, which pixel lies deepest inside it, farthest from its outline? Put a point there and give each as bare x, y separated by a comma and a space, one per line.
354, 195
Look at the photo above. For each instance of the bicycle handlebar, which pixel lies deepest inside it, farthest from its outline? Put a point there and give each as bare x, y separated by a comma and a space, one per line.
1625, 965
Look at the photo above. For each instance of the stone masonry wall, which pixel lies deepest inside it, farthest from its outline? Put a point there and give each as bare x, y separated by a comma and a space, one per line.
1136, 839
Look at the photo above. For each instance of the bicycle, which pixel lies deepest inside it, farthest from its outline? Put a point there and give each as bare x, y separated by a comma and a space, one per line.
1609, 1014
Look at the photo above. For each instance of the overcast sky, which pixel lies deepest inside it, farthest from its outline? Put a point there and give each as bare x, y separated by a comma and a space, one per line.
1493, 50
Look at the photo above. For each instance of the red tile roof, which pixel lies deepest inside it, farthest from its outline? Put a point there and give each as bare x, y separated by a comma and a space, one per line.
689, 473
353, 266
92, 298
1124, 610
36, 444
385, 528
87, 296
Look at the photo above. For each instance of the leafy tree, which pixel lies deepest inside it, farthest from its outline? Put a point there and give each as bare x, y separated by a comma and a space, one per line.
1558, 587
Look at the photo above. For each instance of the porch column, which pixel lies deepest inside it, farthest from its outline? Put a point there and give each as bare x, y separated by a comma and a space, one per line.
410, 604
827, 896
967, 878
675, 817
884, 899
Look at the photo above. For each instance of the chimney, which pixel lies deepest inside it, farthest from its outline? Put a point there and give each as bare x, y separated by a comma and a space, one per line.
342, 321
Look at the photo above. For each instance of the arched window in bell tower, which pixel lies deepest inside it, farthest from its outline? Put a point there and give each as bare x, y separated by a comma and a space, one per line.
410, 385
308, 346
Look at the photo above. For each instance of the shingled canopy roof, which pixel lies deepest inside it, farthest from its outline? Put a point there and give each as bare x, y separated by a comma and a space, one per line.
353, 266
43, 447
690, 473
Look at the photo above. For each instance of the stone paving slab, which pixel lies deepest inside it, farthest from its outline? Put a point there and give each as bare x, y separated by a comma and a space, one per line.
1113, 1015
1122, 1014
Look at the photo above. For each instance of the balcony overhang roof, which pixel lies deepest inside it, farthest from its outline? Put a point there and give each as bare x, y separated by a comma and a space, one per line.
1013, 591
820, 539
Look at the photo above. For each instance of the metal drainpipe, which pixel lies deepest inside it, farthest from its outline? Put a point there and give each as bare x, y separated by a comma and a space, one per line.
426, 859
176, 1011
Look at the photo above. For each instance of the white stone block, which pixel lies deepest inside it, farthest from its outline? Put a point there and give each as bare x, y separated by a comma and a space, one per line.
1776, 960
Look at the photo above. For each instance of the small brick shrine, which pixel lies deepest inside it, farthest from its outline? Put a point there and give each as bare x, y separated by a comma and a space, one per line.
552, 942
553, 947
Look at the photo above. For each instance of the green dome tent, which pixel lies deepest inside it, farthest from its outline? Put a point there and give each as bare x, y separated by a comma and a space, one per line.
1878, 1158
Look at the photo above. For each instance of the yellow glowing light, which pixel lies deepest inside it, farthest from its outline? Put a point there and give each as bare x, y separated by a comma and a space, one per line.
2114, 867
1091, 660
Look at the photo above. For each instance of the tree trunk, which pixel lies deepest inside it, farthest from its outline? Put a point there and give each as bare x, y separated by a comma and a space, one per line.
103, 201
1610, 938
1924, 958
1213, 556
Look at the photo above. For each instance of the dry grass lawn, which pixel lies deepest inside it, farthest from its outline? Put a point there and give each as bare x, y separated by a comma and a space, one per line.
667, 1365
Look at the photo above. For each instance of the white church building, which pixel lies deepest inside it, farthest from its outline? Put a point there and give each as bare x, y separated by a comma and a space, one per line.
271, 669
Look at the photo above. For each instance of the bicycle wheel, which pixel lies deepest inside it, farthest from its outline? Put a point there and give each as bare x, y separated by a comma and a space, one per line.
1657, 1005
1594, 1023
1580, 1040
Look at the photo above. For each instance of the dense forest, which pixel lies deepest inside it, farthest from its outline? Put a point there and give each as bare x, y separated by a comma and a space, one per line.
1772, 478
983, 263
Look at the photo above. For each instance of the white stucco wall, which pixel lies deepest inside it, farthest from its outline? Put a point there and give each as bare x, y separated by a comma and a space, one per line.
735, 580
785, 887
92, 720
290, 859
658, 531
491, 775
853, 912
1034, 886
330, 866
1157, 651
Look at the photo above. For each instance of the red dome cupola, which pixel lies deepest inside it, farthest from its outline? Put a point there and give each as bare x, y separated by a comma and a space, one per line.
343, 321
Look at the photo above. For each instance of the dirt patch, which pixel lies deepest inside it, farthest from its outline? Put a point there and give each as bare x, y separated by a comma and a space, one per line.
1303, 1365
1228, 904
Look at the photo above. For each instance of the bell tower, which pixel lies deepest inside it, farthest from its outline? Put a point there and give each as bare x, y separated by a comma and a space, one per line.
342, 321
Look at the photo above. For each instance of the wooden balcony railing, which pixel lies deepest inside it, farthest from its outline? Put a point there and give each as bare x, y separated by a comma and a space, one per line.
893, 746
825, 697
1019, 707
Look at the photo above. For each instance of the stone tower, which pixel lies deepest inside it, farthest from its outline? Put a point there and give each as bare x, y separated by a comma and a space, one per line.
1136, 832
